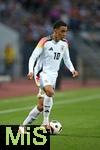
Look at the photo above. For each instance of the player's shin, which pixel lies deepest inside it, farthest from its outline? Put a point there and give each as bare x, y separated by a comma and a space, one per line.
48, 103
34, 113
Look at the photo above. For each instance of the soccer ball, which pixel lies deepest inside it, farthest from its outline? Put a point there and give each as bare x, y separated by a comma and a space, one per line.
55, 126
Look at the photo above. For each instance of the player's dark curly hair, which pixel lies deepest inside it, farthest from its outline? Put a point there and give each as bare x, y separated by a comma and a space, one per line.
58, 24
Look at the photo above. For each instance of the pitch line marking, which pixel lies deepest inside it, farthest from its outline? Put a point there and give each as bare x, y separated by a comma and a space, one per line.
74, 100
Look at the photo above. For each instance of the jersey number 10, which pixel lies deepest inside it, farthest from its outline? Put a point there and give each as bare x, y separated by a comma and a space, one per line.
56, 56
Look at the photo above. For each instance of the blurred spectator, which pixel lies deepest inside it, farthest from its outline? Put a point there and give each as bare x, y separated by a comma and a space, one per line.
9, 60
2, 8
75, 21
26, 52
55, 13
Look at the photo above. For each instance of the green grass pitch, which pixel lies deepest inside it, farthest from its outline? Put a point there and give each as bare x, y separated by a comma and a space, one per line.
77, 110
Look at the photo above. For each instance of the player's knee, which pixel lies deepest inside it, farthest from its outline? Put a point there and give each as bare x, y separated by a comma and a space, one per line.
40, 107
50, 93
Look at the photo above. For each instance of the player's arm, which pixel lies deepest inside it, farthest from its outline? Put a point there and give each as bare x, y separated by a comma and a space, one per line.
68, 63
37, 51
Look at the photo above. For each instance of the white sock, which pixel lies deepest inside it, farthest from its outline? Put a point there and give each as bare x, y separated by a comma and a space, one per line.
48, 103
34, 113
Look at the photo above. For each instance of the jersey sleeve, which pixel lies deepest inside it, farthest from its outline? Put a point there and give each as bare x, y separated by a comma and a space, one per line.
67, 60
37, 51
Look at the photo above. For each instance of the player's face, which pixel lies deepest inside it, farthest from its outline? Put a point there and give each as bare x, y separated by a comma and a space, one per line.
61, 32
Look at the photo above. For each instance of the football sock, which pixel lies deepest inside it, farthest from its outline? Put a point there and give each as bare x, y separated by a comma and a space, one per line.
34, 113
48, 103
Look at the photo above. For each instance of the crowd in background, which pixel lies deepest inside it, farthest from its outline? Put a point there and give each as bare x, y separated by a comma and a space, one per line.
38, 15
34, 18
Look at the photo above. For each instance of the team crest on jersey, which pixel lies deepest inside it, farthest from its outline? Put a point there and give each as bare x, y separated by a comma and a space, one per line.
62, 47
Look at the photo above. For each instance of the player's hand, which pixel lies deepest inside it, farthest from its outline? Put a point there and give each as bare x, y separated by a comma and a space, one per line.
30, 75
75, 73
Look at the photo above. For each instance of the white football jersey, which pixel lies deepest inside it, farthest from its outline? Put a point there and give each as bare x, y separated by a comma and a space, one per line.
51, 53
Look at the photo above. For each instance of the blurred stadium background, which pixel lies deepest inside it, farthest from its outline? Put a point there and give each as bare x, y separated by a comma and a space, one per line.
22, 24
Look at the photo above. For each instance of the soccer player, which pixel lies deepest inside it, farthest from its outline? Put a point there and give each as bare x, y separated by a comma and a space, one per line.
52, 49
